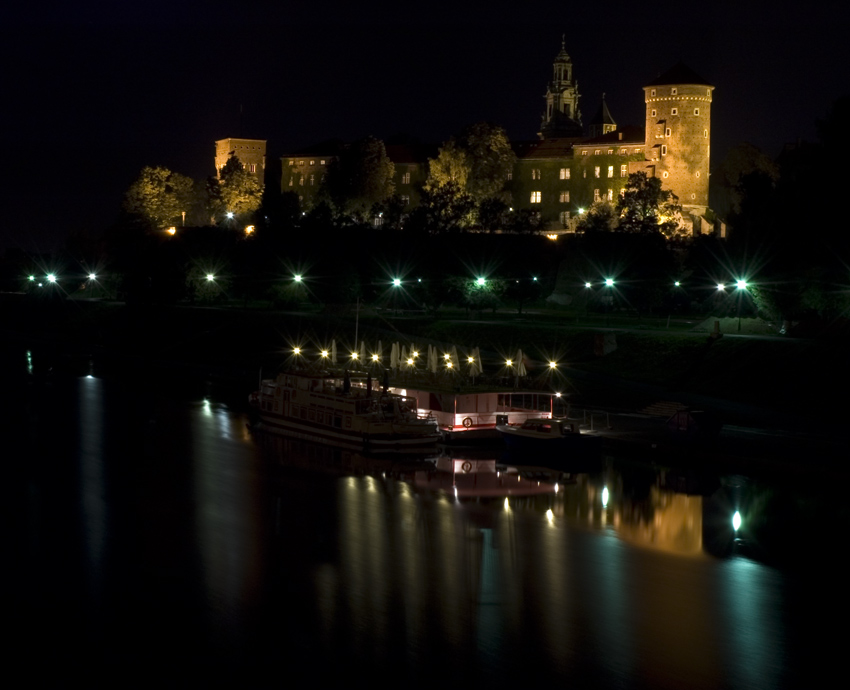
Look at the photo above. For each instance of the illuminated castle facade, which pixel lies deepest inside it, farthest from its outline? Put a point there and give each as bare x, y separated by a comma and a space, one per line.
565, 171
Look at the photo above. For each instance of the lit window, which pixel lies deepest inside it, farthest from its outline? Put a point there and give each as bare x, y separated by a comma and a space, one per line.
564, 197
637, 150
405, 200
610, 195
510, 175
663, 149
596, 196
291, 162
301, 181
675, 111
252, 167
624, 170
312, 180
696, 111
596, 171
378, 221
291, 181
565, 218
405, 178
312, 162
597, 152
584, 173
705, 134
610, 171
321, 162
535, 197
665, 175
697, 173
535, 173
610, 151
667, 131
300, 162
654, 113
624, 152
584, 153
674, 91
564, 174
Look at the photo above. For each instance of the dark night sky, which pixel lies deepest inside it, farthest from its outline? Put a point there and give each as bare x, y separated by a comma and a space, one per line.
93, 93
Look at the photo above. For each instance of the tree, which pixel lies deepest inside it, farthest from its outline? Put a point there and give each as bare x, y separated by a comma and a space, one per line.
359, 178
477, 161
444, 209
645, 208
237, 191
600, 217
160, 196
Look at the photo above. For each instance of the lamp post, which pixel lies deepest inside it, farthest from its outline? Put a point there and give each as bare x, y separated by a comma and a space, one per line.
741, 286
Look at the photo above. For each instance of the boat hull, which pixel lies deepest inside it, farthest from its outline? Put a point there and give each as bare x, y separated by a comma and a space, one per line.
352, 440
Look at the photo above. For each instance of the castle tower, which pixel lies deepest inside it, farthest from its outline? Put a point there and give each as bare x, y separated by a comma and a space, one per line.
678, 134
602, 122
250, 152
562, 117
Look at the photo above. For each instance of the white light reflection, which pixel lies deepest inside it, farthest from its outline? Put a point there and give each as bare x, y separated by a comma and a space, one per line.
550, 516
736, 521
605, 495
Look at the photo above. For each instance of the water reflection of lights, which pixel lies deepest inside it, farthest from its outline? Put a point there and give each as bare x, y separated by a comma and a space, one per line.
605, 495
550, 516
736, 521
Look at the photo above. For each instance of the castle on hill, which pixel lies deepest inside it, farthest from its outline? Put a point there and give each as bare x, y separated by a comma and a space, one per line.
570, 166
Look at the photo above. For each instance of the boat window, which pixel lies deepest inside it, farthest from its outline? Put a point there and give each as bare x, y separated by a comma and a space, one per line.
338, 422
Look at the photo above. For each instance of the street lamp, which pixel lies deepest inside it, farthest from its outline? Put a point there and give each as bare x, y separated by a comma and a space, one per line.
741, 285
481, 281
210, 277
51, 278
396, 282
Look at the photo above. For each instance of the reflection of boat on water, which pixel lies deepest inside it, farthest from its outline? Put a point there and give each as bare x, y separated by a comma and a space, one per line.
546, 435
474, 415
469, 477
344, 411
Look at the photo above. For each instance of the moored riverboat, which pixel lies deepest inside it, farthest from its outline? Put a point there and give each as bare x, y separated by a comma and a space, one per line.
342, 410
548, 435
474, 415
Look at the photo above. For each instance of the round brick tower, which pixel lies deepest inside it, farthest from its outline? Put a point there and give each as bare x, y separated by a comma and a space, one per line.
678, 134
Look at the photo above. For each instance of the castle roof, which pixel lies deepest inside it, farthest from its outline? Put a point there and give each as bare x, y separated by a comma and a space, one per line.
679, 74
603, 115
559, 147
330, 147
625, 135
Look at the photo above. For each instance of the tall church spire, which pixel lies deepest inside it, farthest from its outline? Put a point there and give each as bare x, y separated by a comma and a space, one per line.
562, 117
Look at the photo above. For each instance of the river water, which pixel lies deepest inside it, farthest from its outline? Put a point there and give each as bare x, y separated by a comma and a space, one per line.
162, 542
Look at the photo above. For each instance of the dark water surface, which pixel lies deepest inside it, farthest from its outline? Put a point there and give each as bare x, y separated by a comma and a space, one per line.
162, 543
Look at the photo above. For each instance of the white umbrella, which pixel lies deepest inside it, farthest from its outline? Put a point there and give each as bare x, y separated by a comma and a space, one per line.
432, 359
404, 354
479, 365
394, 357
333, 351
380, 353
363, 360
520, 365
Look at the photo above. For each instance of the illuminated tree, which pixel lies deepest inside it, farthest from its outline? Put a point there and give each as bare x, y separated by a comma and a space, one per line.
477, 162
645, 208
600, 217
359, 178
237, 191
159, 196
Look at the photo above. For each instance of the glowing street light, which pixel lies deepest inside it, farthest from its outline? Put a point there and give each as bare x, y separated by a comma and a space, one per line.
609, 282
51, 278
325, 353
249, 230
296, 350
721, 286
92, 276
31, 278
481, 281
210, 277
736, 521
471, 360
297, 278
553, 365
396, 282
229, 215
410, 361
741, 284
588, 285
677, 284
354, 355
172, 230
509, 363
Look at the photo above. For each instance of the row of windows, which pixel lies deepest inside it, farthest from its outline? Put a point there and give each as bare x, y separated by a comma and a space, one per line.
321, 162
675, 92
598, 152
302, 179
564, 197
673, 111
564, 173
